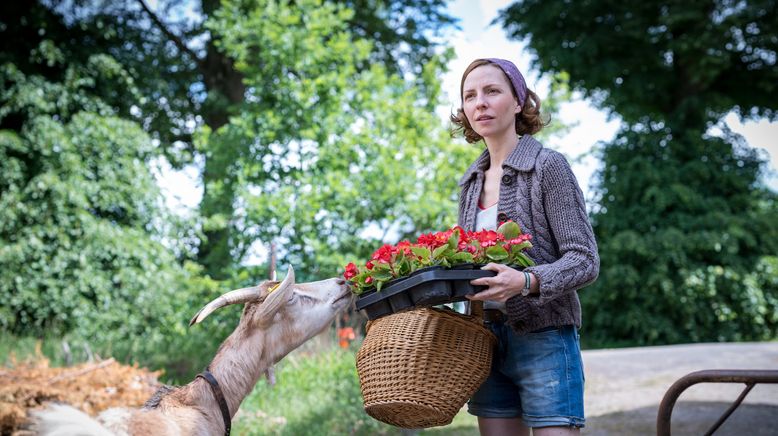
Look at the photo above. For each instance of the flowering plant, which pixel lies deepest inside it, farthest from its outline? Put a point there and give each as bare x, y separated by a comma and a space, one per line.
451, 247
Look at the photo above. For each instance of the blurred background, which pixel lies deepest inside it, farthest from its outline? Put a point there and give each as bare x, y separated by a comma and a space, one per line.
152, 152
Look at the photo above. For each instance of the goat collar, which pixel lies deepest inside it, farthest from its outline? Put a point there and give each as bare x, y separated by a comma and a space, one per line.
217, 393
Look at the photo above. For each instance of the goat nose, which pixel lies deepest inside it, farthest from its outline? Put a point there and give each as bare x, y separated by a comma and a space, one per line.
340, 282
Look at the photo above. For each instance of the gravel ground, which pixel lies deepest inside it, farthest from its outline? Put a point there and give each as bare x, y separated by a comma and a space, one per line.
625, 386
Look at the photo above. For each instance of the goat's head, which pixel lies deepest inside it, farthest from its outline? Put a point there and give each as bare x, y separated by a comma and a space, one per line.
285, 311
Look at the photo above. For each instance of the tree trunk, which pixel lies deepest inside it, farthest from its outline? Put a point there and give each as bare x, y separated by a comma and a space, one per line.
225, 91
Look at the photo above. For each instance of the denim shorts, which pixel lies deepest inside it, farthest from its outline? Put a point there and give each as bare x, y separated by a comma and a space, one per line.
537, 377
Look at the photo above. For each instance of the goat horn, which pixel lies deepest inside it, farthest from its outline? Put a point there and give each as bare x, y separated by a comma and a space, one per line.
277, 298
233, 297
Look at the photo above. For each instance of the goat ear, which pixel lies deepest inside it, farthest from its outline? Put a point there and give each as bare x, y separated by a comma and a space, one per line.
277, 298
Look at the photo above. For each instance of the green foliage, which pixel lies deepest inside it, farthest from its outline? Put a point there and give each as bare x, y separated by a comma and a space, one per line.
93, 93
683, 243
315, 150
81, 226
653, 58
683, 225
401, 30
315, 395
77, 199
318, 394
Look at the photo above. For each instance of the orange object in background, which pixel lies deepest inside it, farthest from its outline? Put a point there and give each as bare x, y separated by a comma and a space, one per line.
345, 335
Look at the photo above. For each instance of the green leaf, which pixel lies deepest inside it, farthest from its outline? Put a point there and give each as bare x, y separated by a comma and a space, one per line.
520, 247
453, 240
524, 260
439, 252
381, 266
461, 257
496, 253
510, 229
382, 275
422, 252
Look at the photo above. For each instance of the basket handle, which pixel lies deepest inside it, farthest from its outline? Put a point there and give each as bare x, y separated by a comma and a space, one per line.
477, 310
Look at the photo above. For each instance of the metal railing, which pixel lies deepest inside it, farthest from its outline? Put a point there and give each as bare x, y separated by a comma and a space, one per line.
748, 377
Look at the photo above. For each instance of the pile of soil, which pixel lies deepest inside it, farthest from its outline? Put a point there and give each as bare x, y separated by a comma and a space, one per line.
91, 387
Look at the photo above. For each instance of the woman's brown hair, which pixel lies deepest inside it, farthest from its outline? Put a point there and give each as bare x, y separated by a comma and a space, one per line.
528, 122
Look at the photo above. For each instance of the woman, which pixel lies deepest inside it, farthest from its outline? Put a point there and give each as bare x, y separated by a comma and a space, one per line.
537, 374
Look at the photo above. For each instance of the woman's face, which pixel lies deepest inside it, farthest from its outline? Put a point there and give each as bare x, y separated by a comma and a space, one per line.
488, 102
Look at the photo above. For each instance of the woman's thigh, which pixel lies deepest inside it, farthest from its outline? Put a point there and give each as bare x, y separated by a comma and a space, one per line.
547, 369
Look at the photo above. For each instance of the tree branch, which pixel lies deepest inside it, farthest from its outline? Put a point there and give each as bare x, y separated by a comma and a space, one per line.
173, 37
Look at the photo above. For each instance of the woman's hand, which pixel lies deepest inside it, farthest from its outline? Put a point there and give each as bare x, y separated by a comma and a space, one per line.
506, 284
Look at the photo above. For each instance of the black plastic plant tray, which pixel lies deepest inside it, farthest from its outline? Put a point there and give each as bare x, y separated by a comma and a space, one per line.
428, 288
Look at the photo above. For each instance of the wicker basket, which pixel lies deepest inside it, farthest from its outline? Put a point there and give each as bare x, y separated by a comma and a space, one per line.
418, 368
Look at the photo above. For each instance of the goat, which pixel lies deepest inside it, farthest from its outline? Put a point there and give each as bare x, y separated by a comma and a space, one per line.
275, 321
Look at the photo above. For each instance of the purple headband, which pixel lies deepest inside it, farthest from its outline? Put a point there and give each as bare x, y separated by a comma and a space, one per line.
514, 76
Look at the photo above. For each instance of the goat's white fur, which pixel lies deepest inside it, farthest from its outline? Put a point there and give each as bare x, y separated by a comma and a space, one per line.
272, 324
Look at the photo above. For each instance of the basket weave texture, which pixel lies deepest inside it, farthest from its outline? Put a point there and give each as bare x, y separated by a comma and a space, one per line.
418, 368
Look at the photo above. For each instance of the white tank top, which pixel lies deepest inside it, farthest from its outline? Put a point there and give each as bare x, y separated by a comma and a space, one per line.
486, 219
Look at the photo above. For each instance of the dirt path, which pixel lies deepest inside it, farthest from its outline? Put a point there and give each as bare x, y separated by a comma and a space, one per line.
624, 388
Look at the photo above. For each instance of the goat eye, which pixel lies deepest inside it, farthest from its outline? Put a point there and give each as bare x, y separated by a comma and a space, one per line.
307, 298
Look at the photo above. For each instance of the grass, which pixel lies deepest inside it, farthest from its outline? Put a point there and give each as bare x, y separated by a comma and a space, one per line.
317, 393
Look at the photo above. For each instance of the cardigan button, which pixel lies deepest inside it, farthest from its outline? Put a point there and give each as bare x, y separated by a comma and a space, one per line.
502, 217
507, 180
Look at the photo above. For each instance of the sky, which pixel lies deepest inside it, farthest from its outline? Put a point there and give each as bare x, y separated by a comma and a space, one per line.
478, 39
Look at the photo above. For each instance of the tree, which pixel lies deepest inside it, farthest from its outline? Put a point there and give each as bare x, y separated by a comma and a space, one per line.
684, 226
77, 200
322, 164
95, 92
224, 91
85, 250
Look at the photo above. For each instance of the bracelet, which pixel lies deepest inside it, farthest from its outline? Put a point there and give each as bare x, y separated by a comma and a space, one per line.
527, 284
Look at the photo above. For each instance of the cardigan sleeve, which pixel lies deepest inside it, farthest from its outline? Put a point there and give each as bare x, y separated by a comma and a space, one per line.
578, 263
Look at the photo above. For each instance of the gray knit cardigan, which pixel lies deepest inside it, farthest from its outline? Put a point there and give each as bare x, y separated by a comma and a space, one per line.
539, 192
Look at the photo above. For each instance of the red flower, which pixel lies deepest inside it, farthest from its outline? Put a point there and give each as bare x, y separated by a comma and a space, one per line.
351, 271
489, 238
384, 254
519, 239
433, 241
404, 247
393, 261
464, 236
441, 238
426, 239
